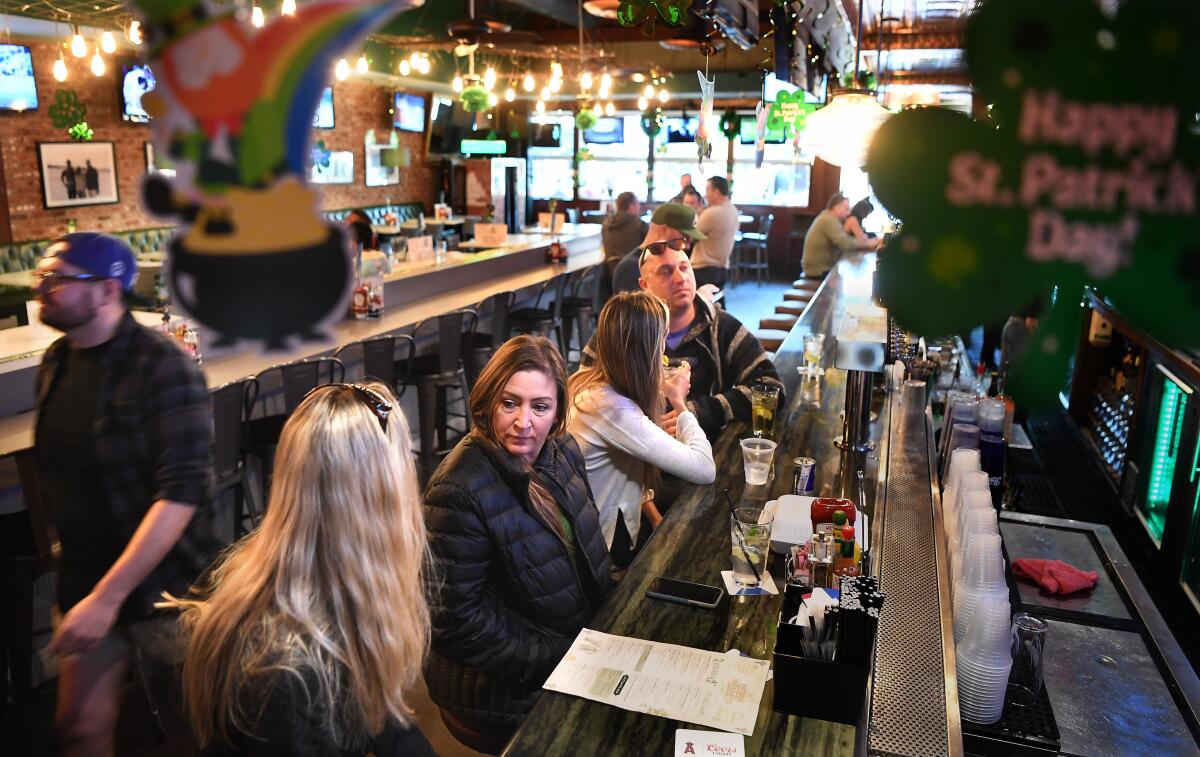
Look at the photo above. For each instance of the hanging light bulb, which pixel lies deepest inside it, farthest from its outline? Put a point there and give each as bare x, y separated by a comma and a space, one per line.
643, 103
97, 64
78, 44
585, 80
457, 84
135, 32
610, 109
606, 81
489, 78
108, 43
492, 99
405, 68
361, 65
545, 93
663, 95
555, 85
528, 84
60, 68
424, 65
510, 94
257, 17
288, 7
648, 91
342, 69
541, 107
556, 70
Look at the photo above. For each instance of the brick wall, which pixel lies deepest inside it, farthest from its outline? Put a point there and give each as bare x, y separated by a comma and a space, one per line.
358, 106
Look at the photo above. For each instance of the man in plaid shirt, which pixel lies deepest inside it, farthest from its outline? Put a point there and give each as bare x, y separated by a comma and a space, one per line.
124, 448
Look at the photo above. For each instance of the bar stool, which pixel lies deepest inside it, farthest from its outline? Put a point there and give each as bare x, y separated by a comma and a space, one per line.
798, 295
483, 345
539, 319
755, 243
791, 307
229, 452
377, 358
580, 306
770, 339
779, 322
433, 374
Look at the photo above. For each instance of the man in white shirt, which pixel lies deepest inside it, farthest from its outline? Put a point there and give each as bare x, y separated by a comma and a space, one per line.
719, 223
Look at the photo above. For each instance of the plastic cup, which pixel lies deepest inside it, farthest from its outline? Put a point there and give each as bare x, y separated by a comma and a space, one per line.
757, 455
987, 637
983, 565
967, 602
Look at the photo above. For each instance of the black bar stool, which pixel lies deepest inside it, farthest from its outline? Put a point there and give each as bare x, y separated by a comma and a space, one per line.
377, 358
543, 319
580, 306
229, 452
483, 345
436, 372
752, 255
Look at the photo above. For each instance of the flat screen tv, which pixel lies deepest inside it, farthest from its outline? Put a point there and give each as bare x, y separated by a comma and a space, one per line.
409, 112
323, 116
607, 131
17, 88
136, 81
682, 129
545, 135
748, 133
449, 125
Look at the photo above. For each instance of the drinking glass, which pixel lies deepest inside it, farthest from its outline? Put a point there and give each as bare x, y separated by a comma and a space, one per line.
764, 401
1028, 639
757, 455
750, 529
814, 349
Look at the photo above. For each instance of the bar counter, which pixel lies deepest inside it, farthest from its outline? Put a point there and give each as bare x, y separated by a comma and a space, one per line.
909, 703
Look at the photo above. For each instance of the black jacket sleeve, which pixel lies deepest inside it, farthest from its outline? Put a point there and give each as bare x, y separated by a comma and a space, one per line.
744, 363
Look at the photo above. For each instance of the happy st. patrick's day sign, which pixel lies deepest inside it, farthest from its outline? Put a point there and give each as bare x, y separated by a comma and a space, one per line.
1086, 175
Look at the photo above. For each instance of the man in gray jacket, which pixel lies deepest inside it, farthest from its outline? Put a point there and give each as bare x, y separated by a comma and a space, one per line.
621, 233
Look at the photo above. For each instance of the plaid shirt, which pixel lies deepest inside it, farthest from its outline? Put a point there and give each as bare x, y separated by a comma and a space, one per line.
153, 439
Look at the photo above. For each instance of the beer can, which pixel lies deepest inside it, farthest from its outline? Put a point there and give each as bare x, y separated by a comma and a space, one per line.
802, 475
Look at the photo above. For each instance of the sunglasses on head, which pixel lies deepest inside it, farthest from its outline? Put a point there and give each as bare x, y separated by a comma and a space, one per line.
374, 401
658, 248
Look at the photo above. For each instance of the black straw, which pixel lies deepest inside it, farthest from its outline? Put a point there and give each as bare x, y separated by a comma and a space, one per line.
740, 535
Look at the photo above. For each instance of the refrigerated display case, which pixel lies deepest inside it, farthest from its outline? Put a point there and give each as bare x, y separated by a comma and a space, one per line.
1170, 402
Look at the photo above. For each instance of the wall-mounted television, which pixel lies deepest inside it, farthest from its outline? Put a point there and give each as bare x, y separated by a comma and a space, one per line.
323, 116
545, 135
17, 88
748, 133
682, 129
409, 112
609, 130
449, 125
136, 81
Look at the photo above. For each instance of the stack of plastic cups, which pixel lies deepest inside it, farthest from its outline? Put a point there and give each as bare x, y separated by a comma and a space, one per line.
970, 481
960, 408
983, 660
967, 595
961, 461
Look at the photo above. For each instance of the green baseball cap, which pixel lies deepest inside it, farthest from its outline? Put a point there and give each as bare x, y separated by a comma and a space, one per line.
679, 217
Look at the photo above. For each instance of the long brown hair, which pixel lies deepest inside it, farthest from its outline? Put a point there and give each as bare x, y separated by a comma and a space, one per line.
629, 342
328, 590
523, 353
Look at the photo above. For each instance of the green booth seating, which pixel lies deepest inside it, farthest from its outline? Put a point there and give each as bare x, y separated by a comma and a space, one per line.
404, 211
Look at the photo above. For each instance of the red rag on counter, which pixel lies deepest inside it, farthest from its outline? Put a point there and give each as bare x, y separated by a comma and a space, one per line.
1054, 576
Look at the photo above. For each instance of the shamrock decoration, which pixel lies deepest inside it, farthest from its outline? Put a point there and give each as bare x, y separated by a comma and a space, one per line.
636, 12
474, 99
652, 120
585, 119
81, 132
731, 124
1084, 180
790, 112
66, 110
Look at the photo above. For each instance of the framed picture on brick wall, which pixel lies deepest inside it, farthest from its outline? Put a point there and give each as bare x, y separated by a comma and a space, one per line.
78, 173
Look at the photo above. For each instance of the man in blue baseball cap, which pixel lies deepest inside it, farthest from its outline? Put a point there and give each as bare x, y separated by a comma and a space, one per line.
123, 446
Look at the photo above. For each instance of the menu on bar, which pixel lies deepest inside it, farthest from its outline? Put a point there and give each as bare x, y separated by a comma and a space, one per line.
681, 683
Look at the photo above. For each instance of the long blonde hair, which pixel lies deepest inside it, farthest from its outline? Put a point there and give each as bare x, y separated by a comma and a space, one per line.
328, 589
630, 337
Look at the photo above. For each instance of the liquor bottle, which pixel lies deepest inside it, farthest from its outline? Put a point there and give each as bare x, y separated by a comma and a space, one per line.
1010, 407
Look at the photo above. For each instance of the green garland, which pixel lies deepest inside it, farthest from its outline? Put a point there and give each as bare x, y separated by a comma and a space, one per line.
731, 124
474, 99
652, 122
585, 119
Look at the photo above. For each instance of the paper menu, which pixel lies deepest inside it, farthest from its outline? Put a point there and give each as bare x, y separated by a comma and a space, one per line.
666, 680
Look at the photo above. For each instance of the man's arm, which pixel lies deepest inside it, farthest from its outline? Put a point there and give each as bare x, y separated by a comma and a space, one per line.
87, 622
744, 363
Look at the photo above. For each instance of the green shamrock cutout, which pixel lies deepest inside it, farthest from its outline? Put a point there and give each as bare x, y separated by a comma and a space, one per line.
66, 110
1088, 177
81, 132
637, 12
789, 111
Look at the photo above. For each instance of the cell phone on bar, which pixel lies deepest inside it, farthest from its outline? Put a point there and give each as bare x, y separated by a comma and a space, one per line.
685, 592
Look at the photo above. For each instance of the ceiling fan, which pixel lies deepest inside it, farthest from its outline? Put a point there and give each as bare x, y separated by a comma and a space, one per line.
471, 32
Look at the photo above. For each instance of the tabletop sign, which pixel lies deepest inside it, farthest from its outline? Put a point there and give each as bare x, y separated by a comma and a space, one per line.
491, 234
713, 743
1084, 175
420, 249
544, 222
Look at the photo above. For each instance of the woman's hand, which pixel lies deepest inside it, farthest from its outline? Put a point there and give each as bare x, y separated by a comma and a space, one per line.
651, 514
676, 387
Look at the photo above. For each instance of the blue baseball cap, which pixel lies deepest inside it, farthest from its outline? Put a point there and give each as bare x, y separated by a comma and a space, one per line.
99, 254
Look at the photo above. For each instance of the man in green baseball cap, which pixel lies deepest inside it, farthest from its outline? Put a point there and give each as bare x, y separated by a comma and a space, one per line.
672, 224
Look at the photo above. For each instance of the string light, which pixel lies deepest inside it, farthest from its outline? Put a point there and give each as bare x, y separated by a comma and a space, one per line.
492, 99
78, 44
98, 64
648, 91
609, 109
643, 103
545, 93
288, 8
585, 80
60, 67
108, 43
457, 84
606, 81
510, 94
342, 69
529, 83
405, 68
489, 77
663, 95
423, 65
361, 65
556, 70
135, 32
555, 85
257, 17
541, 106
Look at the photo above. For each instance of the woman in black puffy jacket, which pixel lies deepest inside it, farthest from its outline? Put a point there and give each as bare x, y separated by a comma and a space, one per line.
518, 552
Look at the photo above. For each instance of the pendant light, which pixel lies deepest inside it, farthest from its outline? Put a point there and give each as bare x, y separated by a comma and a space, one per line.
528, 84
60, 67
405, 69
98, 64
108, 43
134, 33
342, 69
78, 44
288, 7
257, 17
361, 65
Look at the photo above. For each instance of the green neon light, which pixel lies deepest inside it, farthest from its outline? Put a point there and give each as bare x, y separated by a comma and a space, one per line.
483, 147
1166, 453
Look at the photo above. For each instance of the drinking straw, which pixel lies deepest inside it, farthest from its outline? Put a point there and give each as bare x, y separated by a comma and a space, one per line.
740, 536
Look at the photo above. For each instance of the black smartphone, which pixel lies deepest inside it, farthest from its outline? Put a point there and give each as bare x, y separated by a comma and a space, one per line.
685, 592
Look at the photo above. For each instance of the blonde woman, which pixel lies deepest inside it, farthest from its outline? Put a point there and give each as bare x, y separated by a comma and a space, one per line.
310, 633
514, 532
617, 418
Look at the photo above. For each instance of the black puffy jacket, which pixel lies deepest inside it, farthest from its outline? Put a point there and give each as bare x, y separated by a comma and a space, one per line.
511, 597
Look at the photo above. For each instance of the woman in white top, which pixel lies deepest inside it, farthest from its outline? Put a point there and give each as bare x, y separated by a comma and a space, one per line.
617, 417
